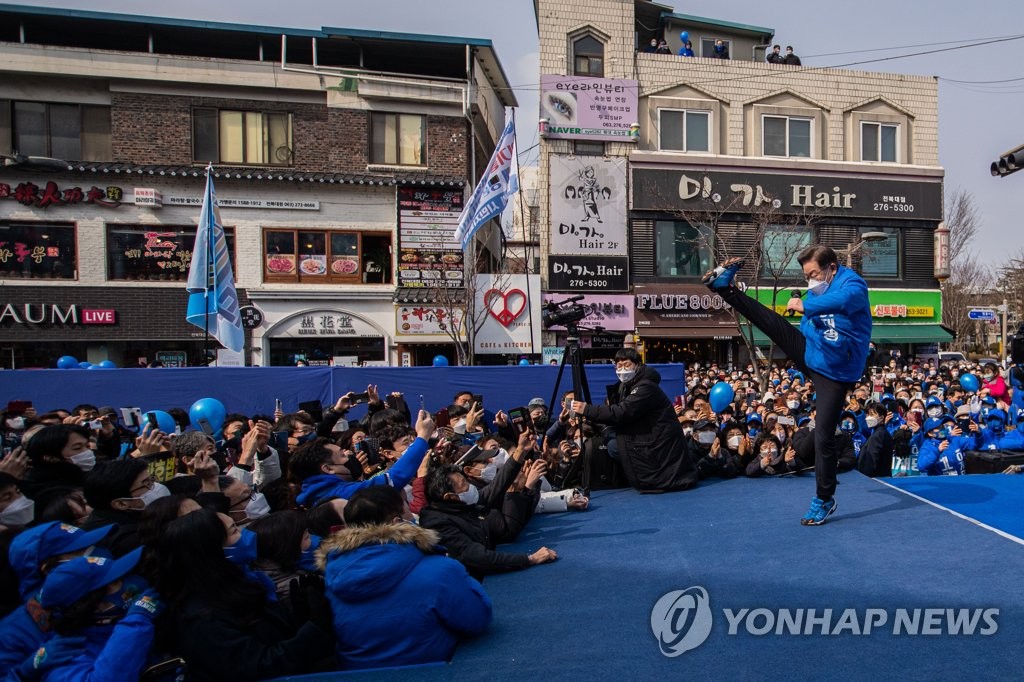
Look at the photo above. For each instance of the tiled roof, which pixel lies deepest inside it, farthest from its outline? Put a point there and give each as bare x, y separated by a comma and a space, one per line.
263, 174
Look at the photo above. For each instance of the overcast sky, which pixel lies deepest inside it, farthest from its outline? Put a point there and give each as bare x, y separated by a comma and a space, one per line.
977, 121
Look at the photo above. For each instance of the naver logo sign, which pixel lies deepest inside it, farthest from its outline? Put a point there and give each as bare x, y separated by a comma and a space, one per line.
682, 620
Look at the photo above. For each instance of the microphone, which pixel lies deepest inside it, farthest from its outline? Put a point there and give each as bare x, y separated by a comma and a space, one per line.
796, 293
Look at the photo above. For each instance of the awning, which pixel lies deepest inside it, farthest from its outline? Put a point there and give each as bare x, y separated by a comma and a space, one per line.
893, 334
687, 332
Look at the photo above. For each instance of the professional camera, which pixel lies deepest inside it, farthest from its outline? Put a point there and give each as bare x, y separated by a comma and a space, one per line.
1017, 346
563, 313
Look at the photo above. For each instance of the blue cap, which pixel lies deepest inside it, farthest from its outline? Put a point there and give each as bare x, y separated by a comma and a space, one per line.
34, 546
988, 400
754, 417
933, 402
996, 414
74, 579
887, 396
933, 423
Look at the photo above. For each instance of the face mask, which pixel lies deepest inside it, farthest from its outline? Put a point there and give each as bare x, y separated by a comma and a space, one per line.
470, 496
115, 606
848, 427
150, 496
996, 426
489, 472
942, 434
625, 375
18, 513
734, 442
792, 404
307, 559
84, 460
810, 425
459, 426
872, 422
989, 377
243, 552
935, 411
781, 435
18, 423
817, 286
771, 454
258, 507
706, 437
501, 457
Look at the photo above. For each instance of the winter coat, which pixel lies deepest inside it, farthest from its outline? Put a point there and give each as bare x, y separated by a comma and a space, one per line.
23, 630
395, 600
837, 326
651, 444
875, 457
949, 462
111, 652
997, 388
323, 487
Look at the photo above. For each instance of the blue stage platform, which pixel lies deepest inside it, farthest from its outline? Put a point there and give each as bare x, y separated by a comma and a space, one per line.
884, 553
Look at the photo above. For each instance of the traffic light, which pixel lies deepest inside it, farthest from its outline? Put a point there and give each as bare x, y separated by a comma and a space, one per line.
1010, 162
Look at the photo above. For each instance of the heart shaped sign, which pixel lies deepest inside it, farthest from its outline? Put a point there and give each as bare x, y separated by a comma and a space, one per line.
499, 304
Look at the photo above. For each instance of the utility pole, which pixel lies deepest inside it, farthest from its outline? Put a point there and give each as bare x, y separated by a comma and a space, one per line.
1004, 309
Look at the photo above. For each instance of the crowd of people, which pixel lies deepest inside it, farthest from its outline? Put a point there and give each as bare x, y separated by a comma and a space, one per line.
720, 50
294, 543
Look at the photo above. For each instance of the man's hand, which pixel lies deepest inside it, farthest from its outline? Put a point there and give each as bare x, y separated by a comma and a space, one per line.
533, 476
578, 502
790, 455
501, 419
943, 445
973, 427
424, 425
205, 467
716, 448
106, 428
473, 417
151, 442
262, 430
250, 443
578, 406
1014, 469
796, 305
374, 397
344, 403
527, 441
543, 556
15, 463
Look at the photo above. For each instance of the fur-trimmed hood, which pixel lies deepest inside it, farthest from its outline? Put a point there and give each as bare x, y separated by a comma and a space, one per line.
361, 562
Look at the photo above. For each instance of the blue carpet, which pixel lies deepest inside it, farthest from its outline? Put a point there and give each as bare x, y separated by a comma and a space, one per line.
589, 613
997, 500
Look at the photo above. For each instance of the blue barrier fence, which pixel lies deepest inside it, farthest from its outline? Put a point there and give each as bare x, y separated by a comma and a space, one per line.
252, 390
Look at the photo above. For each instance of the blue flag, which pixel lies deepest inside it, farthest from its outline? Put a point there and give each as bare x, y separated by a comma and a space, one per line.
495, 187
212, 297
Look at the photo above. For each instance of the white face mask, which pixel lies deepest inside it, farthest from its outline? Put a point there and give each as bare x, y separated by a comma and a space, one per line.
470, 496
706, 437
935, 411
18, 513
150, 496
872, 422
258, 507
734, 442
501, 457
792, 404
18, 423
459, 426
489, 472
687, 430
817, 286
625, 375
84, 460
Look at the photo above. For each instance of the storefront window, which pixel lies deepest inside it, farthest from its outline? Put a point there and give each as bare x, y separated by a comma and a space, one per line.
37, 251
780, 247
881, 258
681, 249
149, 252
327, 256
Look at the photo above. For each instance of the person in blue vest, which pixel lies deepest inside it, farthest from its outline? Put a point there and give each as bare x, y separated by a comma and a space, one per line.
942, 453
830, 348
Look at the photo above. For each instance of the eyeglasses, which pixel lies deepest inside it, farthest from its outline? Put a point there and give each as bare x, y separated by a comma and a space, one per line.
148, 484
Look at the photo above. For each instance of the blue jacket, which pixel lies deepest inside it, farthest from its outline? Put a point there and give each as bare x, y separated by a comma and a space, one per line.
989, 439
949, 462
1012, 440
112, 652
395, 601
322, 487
837, 326
22, 632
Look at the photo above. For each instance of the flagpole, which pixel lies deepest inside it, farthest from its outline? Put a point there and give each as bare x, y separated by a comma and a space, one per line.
526, 245
209, 268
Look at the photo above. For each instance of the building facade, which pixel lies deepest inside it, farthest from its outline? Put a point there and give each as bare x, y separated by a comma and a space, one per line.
340, 158
729, 157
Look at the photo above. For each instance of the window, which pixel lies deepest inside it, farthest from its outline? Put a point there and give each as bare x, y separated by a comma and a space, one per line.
681, 249
588, 57
878, 142
785, 136
247, 137
37, 251
780, 247
707, 46
154, 252
684, 131
71, 132
398, 139
588, 148
881, 258
324, 256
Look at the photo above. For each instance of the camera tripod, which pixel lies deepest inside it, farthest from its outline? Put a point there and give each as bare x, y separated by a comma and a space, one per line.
580, 391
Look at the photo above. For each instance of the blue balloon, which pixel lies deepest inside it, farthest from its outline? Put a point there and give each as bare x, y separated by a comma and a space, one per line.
524, 363
440, 361
970, 383
208, 410
720, 396
67, 362
684, 36
164, 421
84, 365
108, 364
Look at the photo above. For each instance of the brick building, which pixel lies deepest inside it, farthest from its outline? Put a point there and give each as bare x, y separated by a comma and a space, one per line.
690, 160
341, 158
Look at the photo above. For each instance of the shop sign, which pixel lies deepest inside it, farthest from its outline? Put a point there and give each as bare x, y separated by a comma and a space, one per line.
588, 206
681, 306
172, 358
614, 313
223, 202
30, 314
588, 273
419, 320
252, 317
147, 196
512, 322
665, 189
917, 304
429, 255
325, 323
31, 194
585, 108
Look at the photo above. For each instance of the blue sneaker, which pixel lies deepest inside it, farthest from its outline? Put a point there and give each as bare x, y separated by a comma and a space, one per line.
819, 511
722, 276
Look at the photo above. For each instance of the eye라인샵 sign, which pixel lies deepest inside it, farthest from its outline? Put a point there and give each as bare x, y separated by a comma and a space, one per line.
584, 108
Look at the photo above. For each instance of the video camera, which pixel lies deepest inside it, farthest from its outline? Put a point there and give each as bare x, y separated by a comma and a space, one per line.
1017, 346
563, 313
